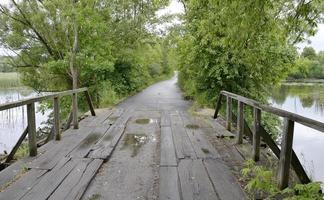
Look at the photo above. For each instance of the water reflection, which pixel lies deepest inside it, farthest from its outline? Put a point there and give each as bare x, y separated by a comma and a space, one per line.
306, 100
14, 121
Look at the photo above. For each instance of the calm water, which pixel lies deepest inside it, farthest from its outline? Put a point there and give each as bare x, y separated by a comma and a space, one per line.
306, 100
14, 121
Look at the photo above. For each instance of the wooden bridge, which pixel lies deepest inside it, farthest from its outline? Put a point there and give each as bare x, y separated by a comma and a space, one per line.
147, 147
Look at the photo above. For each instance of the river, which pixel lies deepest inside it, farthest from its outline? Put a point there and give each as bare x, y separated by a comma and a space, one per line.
306, 99
14, 121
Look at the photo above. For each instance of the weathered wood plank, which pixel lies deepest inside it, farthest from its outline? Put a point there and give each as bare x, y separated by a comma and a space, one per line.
85, 146
228, 113
59, 149
182, 143
165, 119
285, 154
169, 184
256, 134
223, 180
75, 184
20, 187
75, 110
218, 105
32, 141
57, 129
202, 147
195, 183
168, 157
51, 180
17, 145
91, 107
240, 123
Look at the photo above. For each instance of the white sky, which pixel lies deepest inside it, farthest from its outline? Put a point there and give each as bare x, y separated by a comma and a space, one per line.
317, 41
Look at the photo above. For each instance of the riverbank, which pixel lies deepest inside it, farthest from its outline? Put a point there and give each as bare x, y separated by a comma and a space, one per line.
301, 81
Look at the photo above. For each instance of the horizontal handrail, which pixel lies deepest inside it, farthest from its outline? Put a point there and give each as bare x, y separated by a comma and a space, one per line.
277, 111
26, 101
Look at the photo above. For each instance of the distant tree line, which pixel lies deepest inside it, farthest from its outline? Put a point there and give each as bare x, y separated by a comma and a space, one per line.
309, 65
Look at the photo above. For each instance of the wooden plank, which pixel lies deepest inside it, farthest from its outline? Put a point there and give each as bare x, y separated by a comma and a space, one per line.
194, 180
168, 157
277, 111
75, 184
228, 113
91, 107
51, 180
17, 145
285, 154
26, 101
195, 133
104, 148
59, 149
75, 110
85, 146
169, 184
57, 129
226, 185
240, 123
218, 105
165, 119
181, 140
256, 134
20, 187
32, 141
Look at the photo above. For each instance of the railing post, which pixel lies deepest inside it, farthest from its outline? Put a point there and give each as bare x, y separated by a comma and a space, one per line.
285, 153
75, 110
31, 129
256, 134
229, 113
240, 123
218, 105
57, 130
88, 97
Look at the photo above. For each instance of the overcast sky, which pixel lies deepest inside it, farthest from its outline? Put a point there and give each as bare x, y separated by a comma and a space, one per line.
317, 41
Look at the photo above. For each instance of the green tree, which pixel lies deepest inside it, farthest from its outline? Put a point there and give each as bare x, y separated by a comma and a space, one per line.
241, 46
309, 52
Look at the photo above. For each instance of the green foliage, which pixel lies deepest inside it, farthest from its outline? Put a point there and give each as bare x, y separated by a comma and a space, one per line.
309, 65
9, 80
262, 181
240, 46
117, 55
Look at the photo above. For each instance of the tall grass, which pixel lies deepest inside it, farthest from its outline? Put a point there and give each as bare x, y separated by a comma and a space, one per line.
9, 80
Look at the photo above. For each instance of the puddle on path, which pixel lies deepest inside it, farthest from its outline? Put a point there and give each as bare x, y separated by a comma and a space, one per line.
135, 142
89, 140
145, 121
192, 126
206, 151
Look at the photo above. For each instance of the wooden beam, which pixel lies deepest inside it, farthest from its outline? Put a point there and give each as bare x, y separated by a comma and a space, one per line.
256, 134
32, 141
240, 122
228, 113
16, 147
26, 101
75, 111
57, 130
88, 97
285, 154
277, 111
218, 105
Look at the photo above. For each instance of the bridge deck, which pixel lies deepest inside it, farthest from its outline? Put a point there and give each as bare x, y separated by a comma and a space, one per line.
148, 147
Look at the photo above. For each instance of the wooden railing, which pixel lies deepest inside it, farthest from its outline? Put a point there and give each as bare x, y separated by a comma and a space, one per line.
286, 155
31, 121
